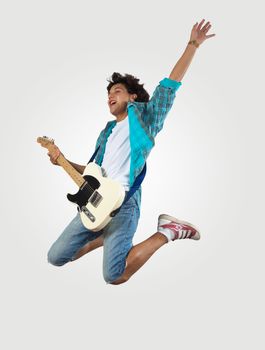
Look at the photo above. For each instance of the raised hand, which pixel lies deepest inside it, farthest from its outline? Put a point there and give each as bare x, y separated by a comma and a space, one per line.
198, 32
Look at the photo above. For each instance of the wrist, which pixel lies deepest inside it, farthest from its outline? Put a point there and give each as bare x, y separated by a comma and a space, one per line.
194, 43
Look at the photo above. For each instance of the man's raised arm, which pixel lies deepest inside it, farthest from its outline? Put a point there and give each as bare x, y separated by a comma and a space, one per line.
197, 37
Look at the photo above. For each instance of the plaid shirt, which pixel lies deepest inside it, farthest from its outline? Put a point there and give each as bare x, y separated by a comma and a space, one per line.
146, 119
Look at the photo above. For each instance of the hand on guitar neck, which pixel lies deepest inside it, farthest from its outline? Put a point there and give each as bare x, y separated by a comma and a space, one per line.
54, 153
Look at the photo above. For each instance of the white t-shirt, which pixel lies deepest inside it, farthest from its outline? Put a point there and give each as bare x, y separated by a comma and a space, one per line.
116, 160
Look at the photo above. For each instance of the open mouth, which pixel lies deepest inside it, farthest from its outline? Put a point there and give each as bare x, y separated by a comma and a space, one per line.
112, 103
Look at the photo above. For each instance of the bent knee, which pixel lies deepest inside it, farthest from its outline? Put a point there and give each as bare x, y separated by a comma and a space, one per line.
55, 259
120, 280
113, 274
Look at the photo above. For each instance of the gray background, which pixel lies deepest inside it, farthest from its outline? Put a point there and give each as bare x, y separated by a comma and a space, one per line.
207, 168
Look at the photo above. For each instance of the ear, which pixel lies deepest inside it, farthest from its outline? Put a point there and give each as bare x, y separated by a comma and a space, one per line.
134, 97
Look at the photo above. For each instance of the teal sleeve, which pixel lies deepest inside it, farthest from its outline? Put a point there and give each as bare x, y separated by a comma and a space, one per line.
170, 83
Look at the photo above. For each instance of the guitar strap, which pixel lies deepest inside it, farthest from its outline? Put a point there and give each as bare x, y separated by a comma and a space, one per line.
93, 155
137, 182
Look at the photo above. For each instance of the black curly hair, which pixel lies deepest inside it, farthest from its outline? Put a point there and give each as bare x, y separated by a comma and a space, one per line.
131, 84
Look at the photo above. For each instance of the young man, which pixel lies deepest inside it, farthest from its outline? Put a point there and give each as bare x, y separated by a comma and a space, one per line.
124, 146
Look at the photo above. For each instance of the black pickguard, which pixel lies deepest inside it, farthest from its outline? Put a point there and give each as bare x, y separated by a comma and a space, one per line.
82, 196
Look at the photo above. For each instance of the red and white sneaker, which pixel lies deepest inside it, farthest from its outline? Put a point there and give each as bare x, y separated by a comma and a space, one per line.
174, 228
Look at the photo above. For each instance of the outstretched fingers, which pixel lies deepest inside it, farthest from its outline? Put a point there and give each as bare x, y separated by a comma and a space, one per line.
200, 24
204, 30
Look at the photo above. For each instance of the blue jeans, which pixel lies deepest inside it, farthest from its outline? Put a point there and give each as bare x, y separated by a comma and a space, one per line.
118, 235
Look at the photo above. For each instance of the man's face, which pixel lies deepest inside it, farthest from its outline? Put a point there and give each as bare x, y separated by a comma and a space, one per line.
118, 97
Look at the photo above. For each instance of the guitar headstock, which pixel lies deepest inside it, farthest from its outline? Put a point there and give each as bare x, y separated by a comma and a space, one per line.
45, 141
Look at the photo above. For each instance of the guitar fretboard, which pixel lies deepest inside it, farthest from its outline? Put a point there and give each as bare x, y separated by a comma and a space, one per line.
78, 178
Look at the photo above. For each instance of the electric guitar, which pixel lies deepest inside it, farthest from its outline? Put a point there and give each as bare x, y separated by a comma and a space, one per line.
98, 197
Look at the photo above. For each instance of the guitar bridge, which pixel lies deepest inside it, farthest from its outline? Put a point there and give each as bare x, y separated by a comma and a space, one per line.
88, 214
95, 199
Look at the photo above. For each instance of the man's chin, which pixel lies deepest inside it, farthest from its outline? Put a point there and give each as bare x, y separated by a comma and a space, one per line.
116, 113
113, 111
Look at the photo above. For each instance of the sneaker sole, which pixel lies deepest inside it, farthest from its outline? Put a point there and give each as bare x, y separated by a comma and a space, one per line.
171, 218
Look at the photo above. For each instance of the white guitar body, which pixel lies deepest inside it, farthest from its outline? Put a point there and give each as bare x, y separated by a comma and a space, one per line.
108, 197
98, 196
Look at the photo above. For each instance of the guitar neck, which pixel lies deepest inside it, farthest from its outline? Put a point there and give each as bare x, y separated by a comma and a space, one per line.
75, 175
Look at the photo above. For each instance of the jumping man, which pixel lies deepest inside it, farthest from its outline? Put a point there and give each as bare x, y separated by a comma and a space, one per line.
123, 147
